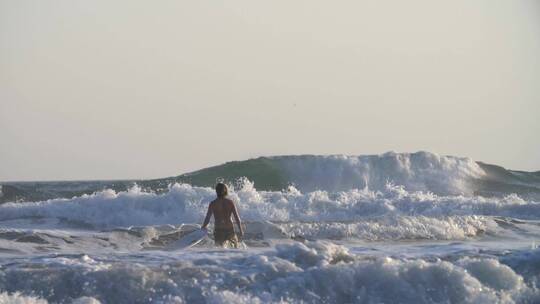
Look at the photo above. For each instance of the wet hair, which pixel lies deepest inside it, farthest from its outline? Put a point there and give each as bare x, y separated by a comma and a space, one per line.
221, 190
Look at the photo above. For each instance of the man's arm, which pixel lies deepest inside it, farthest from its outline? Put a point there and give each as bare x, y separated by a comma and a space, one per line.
237, 219
208, 216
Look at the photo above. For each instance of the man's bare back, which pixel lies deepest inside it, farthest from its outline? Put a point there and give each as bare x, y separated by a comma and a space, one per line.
222, 208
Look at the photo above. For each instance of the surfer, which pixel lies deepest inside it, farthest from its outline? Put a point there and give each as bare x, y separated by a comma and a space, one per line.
222, 208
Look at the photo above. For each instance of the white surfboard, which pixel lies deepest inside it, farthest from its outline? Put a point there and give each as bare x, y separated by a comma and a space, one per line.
189, 240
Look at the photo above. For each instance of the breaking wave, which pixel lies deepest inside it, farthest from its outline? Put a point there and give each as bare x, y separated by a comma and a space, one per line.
391, 214
420, 171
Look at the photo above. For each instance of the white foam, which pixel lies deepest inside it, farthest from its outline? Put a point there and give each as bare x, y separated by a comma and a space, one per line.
395, 228
18, 298
421, 171
310, 272
187, 204
86, 300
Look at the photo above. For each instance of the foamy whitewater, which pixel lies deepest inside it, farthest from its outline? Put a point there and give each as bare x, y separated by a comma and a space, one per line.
391, 228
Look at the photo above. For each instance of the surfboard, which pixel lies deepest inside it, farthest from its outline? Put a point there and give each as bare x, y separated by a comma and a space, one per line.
188, 240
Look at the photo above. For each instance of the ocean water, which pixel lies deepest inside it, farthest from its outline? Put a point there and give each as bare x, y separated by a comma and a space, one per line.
390, 228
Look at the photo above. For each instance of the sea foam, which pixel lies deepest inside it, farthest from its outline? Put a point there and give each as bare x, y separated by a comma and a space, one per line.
310, 272
393, 213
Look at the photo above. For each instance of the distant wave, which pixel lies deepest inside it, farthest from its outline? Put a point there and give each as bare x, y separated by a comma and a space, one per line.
420, 171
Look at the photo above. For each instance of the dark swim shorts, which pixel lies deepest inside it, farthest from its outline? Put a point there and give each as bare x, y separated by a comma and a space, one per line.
225, 237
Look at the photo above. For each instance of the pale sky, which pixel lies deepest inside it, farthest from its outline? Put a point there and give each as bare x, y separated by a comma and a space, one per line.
147, 89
